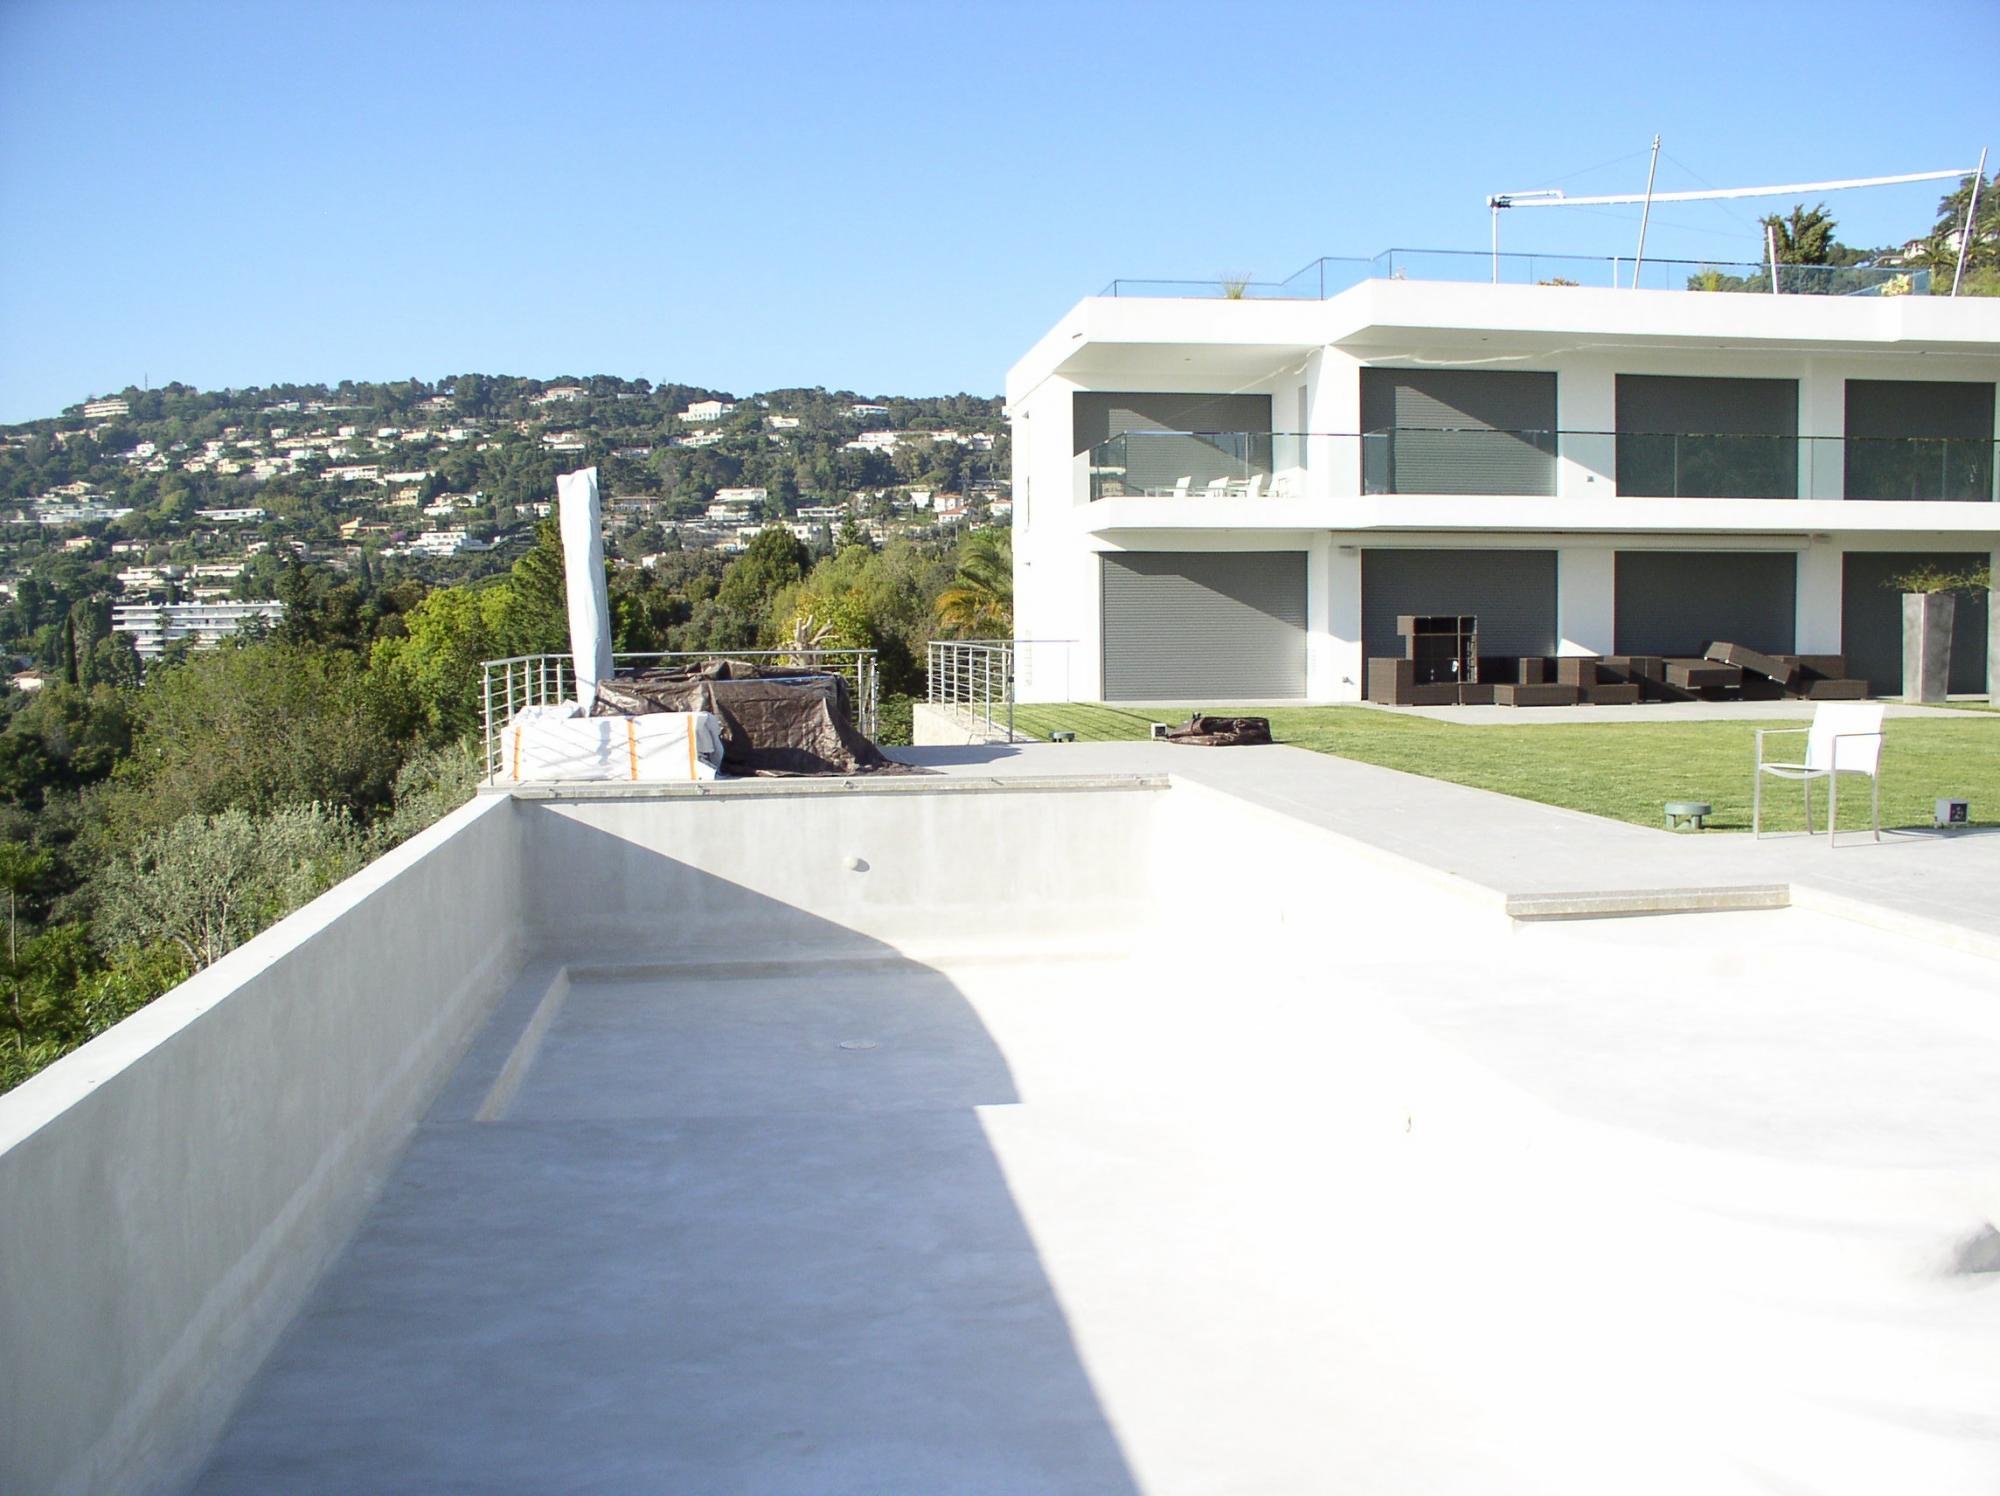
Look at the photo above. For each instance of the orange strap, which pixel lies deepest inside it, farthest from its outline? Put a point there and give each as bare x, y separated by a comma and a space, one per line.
632, 746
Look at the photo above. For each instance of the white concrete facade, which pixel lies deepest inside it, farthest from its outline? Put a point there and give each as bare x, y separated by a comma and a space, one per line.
1308, 358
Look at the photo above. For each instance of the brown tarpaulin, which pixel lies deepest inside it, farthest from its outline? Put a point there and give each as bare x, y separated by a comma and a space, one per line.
1221, 732
774, 720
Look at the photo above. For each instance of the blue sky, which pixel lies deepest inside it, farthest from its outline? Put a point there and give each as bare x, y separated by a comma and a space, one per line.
889, 198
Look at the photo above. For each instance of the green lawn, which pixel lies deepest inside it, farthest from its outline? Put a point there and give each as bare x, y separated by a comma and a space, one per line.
1624, 770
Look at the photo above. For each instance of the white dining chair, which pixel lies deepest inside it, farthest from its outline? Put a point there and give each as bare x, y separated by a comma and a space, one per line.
1845, 738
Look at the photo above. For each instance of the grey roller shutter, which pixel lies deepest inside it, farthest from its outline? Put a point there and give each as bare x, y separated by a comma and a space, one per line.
1210, 626
1455, 431
1680, 602
1707, 438
1919, 439
1871, 619
1512, 593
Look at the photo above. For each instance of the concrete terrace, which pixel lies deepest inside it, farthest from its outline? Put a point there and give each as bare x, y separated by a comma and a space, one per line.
1073, 1119
1524, 854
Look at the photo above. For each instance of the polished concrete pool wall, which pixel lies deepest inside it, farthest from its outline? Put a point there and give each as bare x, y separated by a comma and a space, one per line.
809, 867
170, 1192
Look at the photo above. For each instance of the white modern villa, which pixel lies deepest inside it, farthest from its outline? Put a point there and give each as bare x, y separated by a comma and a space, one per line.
1230, 494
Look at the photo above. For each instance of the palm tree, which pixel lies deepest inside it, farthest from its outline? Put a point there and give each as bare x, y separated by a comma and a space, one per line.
979, 603
1805, 235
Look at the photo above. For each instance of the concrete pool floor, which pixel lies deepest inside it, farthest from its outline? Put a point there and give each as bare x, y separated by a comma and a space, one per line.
1630, 1204
1057, 1225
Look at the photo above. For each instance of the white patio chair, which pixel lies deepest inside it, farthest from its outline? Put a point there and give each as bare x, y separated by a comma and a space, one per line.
1218, 488
1182, 486
1845, 738
1255, 487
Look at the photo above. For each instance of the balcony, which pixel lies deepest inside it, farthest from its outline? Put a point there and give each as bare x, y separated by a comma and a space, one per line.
1954, 469
1331, 275
1606, 464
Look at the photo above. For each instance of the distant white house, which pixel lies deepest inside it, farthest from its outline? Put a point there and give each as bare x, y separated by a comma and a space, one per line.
557, 394
782, 423
445, 543
233, 516
104, 410
148, 578
699, 439
708, 410
732, 504
862, 411
565, 441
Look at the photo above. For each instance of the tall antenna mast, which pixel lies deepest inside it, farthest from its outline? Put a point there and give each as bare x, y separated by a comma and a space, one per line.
1646, 212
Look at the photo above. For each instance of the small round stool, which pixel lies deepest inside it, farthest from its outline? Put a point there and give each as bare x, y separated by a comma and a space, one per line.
1693, 813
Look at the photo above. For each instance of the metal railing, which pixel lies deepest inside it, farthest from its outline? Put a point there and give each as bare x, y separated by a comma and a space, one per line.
1483, 461
973, 678
511, 685
1332, 274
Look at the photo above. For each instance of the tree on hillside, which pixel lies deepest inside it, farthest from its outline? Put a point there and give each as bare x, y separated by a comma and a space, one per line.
1805, 235
21, 868
207, 883
773, 560
1940, 252
980, 601
254, 726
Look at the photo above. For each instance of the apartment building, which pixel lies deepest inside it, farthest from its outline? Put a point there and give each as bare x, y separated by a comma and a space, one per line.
1227, 498
153, 626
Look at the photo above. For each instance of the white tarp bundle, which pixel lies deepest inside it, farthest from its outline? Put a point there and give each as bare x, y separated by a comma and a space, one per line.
577, 520
553, 743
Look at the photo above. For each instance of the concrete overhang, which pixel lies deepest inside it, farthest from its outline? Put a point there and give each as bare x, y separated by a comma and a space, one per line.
1798, 518
1103, 340
1109, 338
1380, 315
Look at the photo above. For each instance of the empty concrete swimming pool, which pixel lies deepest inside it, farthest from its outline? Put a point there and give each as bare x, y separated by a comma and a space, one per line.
975, 1135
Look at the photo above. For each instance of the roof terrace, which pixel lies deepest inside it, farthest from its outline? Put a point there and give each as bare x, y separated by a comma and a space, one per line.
1332, 274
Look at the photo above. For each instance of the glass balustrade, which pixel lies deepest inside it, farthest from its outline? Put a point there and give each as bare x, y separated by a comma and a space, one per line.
1948, 469
1331, 275
1544, 464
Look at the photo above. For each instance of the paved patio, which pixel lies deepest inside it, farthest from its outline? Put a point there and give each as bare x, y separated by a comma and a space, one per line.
1520, 849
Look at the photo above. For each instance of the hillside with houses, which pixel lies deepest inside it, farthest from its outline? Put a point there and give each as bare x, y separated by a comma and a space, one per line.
175, 496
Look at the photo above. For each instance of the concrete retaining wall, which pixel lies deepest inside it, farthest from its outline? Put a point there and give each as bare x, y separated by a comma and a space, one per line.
170, 1192
802, 870
945, 727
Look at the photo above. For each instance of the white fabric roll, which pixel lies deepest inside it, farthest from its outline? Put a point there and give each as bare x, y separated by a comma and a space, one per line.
583, 574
